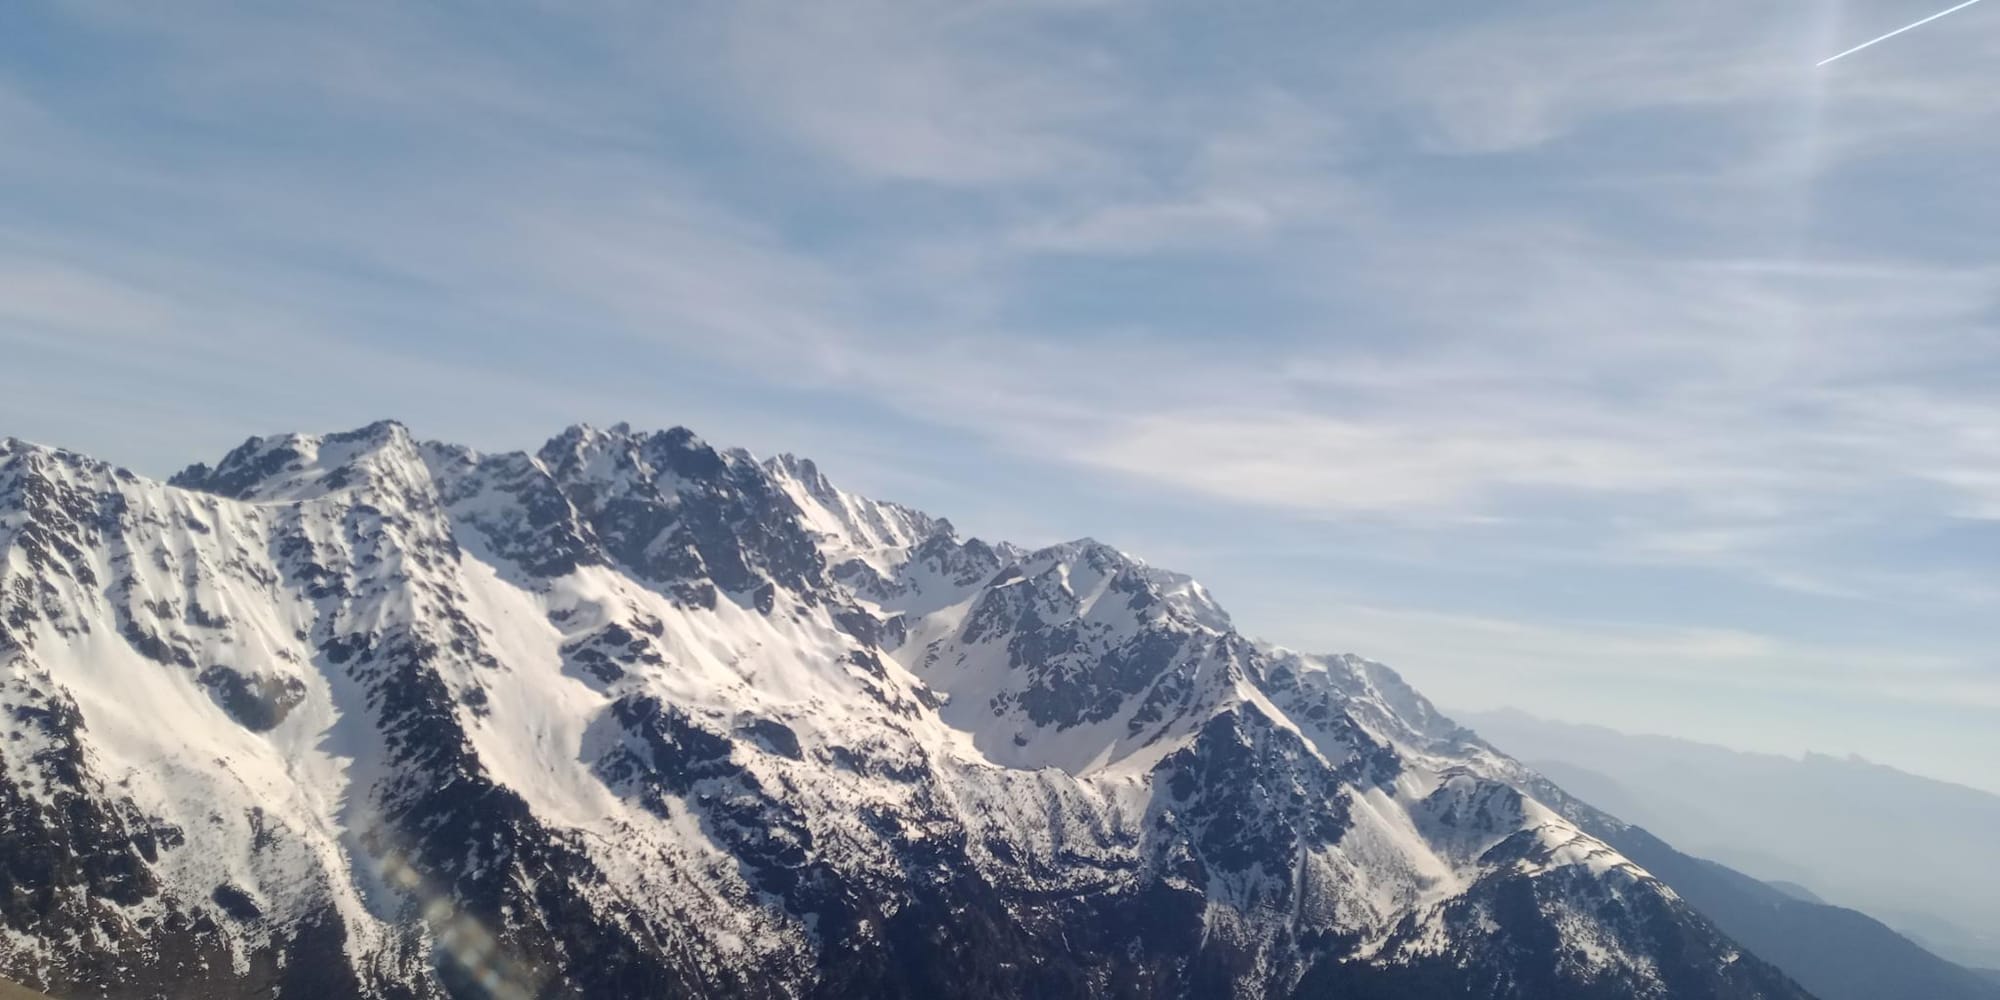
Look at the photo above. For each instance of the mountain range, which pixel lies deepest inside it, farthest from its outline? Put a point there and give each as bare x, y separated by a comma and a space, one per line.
356, 714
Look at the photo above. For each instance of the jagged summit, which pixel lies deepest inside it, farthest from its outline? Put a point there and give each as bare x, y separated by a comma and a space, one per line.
296, 466
645, 717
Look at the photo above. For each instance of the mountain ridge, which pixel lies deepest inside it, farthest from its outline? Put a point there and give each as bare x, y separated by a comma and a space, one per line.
631, 715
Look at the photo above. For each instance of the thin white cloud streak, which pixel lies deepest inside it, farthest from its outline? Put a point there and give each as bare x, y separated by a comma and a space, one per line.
1258, 169
1505, 84
1709, 655
42, 300
1871, 43
918, 92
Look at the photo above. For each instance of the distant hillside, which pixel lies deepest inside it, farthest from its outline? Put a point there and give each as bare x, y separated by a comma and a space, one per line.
1795, 890
1835, 953
1932, 867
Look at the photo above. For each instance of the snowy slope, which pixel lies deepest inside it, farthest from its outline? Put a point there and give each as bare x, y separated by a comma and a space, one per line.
629, 715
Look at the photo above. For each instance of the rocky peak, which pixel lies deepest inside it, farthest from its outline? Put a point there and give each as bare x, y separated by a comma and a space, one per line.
698, 522
21, 459
622, 460
291, 467
874, 536
512, 509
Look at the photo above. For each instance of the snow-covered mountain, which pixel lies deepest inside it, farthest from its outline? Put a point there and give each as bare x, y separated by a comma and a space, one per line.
630, 716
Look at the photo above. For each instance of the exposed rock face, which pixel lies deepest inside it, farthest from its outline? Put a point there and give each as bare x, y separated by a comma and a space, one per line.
631, 716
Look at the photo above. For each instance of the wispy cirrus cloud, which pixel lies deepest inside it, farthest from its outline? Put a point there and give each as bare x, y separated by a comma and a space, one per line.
904, 91
1458, 358
1544, 292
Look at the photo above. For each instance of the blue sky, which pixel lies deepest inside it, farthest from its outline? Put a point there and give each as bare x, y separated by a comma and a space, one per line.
1605, 359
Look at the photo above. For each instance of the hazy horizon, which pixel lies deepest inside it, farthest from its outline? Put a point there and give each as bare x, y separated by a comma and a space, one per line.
1469, 717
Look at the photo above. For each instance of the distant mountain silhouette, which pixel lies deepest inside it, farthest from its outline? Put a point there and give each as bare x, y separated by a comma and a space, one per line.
1918, 854
1836, 953
1795, 890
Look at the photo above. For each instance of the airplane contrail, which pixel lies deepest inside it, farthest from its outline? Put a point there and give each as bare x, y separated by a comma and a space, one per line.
1898, 31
